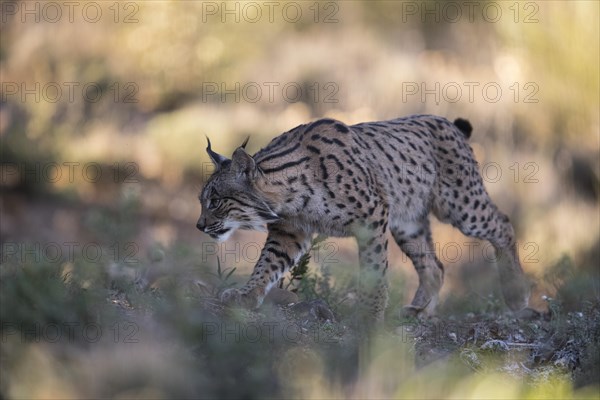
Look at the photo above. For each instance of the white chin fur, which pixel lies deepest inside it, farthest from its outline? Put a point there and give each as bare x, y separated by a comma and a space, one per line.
225, 236
232, 228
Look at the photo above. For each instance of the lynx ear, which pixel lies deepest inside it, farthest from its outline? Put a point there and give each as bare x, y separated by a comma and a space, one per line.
216, 158
243, 163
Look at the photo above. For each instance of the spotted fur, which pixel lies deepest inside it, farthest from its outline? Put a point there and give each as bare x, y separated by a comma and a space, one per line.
362, 180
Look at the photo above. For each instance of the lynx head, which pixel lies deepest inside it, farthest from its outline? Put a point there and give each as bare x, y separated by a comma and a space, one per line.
230, 199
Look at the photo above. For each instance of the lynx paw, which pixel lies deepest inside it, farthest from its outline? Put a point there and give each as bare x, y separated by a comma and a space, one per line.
410, 311
420, 311
234, 297
516, 292
231, 297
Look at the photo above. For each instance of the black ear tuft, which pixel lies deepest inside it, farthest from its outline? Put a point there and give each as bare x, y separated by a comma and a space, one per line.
243, 146
464, 126
216, 158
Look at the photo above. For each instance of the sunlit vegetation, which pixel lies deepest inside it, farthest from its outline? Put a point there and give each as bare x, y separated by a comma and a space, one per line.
108, 290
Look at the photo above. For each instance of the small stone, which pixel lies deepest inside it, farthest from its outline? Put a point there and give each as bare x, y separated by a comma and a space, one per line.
316, 310
281, 297
495, 345
527, 314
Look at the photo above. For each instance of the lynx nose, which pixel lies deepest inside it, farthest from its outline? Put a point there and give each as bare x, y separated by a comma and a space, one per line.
201, 224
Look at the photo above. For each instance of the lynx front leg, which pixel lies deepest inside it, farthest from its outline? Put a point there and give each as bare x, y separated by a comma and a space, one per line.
283, 248
372, 285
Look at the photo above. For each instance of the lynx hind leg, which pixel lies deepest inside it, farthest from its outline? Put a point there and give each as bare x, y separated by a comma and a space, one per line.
514, 283
476, 215
414, 239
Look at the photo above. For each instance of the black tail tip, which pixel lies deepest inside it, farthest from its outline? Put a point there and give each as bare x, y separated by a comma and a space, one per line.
464, 126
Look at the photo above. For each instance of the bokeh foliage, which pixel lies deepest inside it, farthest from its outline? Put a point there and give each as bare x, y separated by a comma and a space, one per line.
157, 65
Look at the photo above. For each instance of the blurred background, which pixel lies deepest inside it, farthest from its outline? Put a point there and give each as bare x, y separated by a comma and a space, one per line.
105, 108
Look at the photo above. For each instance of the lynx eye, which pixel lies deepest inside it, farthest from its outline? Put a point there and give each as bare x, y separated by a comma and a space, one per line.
213, 203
